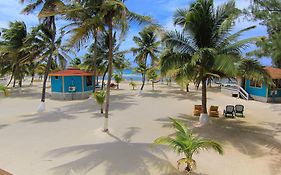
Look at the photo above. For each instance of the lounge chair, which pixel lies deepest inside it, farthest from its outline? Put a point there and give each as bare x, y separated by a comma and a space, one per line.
112, 85
239, 109
197, 110
229, 111
214, 111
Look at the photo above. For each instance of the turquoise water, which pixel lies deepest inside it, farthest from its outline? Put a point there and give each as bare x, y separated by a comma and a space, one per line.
131, 75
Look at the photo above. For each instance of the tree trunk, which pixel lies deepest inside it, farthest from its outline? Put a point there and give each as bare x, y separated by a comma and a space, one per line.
152, 85
20, 83
43, 96
110, 62
52, 27
32, 79
118, 86
101, 109
143, 80
103, 77
204, 96
95, 59
187, 87
12, 76
14, 83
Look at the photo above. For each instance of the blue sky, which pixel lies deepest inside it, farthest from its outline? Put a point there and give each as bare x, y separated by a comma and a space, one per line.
161, 10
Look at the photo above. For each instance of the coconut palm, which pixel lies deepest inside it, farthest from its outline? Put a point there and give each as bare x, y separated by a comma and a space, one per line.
118, 78
47, 12
116, 15
184, 142
147, 46
12, 55
85, 25
133, 84
100, 98
206, 43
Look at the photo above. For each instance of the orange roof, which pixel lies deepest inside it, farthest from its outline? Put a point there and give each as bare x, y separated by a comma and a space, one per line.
71, 72
275, 73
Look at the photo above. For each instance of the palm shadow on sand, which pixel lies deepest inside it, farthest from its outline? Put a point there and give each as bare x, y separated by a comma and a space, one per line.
253, 141
119, 157
72, 111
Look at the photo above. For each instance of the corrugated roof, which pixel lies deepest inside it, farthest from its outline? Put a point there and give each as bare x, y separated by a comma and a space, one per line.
71, 72
275, 73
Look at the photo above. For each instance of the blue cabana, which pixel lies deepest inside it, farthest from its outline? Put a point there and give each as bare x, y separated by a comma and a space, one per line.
71, 84
261, 91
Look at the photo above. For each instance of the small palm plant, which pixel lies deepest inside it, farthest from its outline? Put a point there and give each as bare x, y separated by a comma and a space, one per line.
4, 90
185, 143
118, 78
99, 96
152, 75
133, 84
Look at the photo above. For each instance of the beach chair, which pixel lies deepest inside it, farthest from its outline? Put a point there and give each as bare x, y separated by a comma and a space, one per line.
214, 111
229, 111
197, 110
113, 86
239, 110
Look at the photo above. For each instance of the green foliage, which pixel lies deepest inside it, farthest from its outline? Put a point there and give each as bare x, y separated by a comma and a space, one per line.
118, 78
4, 90
99, 96
269, 12
184, 142
205, 47
76, 62
152, 74
133, 84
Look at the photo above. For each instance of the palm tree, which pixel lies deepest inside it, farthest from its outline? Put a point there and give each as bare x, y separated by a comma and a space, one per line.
47, 11
133, 84
118, 78
206, 43
86, 25
148, 46
184, 142
152, 75
100, 98
13, 55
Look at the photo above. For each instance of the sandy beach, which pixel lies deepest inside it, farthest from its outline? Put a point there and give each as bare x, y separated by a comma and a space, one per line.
67, 138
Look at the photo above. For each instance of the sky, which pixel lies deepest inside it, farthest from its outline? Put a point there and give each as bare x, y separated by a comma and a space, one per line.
161, 10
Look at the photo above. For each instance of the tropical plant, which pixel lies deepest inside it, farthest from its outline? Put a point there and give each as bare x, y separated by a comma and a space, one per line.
152, 75
86, 24
147, 47
267, 12
99, 96
4, 90
133, 84
48, 9
184, 142
12, 55
76, 62
118, 78
205, 47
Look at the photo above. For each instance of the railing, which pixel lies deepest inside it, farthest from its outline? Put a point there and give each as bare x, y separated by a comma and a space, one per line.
236, 90
243, 93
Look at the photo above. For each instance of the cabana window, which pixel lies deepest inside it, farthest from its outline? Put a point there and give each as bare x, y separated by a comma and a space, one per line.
277, 83
257, 84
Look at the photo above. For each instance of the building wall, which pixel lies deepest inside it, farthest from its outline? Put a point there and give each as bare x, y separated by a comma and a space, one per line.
88, 88
56, 84
255, 91
72, 81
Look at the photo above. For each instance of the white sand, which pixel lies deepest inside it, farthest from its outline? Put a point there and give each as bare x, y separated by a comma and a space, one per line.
67, 138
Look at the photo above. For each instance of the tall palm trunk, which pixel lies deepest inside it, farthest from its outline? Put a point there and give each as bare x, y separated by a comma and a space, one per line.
52, 28
143, 80
204, 96
95, 59
187, 87
14, 83
103, 77
110, 62
32, 78
12, 76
